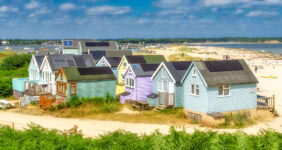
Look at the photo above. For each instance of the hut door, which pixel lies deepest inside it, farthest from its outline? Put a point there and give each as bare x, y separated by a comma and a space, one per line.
162, 98
171, 93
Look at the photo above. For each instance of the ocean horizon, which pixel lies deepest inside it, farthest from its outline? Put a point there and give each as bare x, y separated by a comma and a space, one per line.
275, 48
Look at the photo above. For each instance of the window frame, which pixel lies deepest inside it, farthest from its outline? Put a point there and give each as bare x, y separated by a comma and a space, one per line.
193, 90
163, 72
73, 85
130, 83
224, 87
194, 72
124, 65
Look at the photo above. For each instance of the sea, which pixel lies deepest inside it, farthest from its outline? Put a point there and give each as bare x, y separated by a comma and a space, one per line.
28, 47
275, 48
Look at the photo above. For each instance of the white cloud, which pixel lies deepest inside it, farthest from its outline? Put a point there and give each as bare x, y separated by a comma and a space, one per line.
108, 10
261, 13
142, 21
4, 9
67, 6
244, 2
214, 10
42, 11
238, 11
168, 3
33, 4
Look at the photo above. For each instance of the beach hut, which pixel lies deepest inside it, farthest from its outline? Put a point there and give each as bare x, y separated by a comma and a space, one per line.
138, 82
167, 89
84, 82
98, 54
34, 76
111, 62
211, 88
126, 61
52, 63
72, 46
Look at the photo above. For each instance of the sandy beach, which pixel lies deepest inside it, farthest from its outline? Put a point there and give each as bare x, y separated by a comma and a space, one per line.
269, 66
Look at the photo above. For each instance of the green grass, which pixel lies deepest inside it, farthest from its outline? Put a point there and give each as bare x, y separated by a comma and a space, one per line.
179, 57
36, 137
5, 54
12, 66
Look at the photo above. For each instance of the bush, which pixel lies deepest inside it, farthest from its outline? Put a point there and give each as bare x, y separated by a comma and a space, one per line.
14, 66
238, 119
15, 61
37, 137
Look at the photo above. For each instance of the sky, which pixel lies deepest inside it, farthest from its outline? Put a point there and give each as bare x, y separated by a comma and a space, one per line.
113, 19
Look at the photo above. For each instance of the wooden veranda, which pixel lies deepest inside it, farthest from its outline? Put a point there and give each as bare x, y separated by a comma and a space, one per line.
264, 102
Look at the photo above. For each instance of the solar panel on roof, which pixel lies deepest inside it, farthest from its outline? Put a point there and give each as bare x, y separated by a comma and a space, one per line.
70, 62
134, 66
79, 61
68, 43
95, 71
136, 59
181, 65
91, 44
149, 67
97, 55
219, 66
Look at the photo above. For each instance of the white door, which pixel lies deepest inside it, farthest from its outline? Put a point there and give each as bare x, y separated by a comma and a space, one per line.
171, 87
170, 93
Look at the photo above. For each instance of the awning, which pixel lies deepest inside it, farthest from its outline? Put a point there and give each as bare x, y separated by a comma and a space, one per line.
153, 95
125, 94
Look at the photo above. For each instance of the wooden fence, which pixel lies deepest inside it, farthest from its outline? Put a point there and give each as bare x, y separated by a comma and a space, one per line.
266, 103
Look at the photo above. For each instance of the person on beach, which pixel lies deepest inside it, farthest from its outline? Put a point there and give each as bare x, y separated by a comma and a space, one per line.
256, 68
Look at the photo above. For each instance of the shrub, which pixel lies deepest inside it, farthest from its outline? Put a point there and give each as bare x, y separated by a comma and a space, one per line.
238, 119
60, 106
15, 61
37, 137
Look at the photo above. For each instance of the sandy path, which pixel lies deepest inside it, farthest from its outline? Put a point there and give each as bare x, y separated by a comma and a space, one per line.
94, 128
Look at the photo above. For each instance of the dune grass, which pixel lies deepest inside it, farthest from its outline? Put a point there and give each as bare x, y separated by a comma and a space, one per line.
37, 137
184, 57
5, 54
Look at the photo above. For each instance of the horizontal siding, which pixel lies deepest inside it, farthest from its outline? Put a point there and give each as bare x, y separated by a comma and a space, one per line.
241, 97
195, 103
96, 88
18, 84
71, 51
144, 88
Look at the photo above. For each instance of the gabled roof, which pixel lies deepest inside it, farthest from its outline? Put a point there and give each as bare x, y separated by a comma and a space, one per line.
145, 59
136, 59
144, 69
88, 73
98, 54
113, 61
58, 61
225, 72
39, 59
176, 70
97, 45
75, 43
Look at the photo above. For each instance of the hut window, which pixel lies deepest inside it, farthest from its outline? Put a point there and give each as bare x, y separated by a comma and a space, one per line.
195, 90
163, 73
73, 88
124, 65
224, 90
130, 82
61, 88
194, 72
